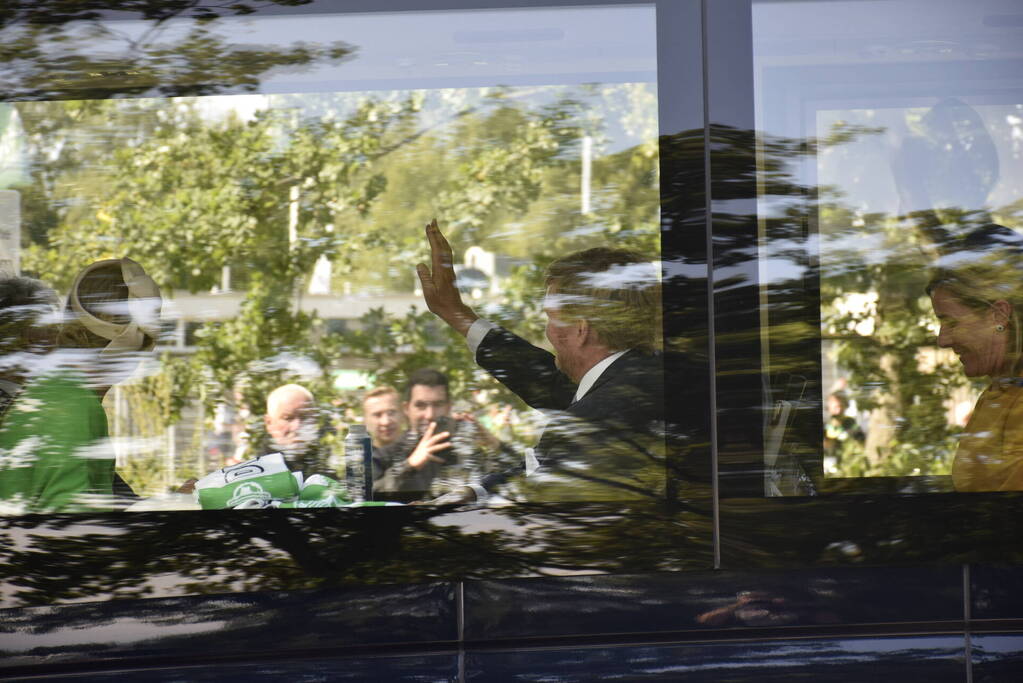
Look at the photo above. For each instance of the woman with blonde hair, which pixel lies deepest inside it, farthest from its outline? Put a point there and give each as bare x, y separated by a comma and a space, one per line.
977, 295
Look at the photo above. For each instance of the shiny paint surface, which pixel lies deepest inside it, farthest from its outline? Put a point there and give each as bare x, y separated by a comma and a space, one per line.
996, 592
834, 660
230, 626
867, 530
996, 613
408, 669
635, 625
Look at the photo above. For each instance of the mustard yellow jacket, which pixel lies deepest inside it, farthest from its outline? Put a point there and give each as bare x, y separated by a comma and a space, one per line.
990, 453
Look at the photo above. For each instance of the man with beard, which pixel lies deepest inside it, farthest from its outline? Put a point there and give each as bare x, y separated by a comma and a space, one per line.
438, 449
406, 462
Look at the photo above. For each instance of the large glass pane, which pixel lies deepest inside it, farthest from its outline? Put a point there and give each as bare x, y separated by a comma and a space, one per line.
253, 188
890, 166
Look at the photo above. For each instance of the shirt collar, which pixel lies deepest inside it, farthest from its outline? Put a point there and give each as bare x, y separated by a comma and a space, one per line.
593, 374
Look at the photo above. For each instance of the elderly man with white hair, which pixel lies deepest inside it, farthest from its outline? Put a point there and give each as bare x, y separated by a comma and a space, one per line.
293, 425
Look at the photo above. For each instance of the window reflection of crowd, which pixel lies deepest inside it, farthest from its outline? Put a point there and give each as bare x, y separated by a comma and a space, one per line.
60, 360
424, 447
61, 363
600, 392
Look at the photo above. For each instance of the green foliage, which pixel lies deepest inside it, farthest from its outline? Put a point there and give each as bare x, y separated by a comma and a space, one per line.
336, 177
504, 170
878, 341
205, 196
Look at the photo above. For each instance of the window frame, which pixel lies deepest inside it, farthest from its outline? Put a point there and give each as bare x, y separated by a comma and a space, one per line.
684, 524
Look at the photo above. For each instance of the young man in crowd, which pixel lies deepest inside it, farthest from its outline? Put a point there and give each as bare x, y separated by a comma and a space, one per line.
409, 462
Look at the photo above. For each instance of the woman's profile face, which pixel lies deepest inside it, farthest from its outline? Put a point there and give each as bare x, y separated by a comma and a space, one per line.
972, 334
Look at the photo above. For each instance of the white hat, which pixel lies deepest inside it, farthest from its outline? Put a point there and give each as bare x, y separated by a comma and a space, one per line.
143, 308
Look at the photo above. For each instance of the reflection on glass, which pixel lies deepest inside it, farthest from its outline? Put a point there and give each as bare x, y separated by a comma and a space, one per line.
975, 293
602, 386
887, 138
54, 436
282, 226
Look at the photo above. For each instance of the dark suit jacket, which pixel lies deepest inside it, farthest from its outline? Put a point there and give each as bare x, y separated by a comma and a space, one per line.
609, 445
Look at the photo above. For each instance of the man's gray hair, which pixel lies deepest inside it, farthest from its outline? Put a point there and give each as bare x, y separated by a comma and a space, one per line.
616, 290
278, 395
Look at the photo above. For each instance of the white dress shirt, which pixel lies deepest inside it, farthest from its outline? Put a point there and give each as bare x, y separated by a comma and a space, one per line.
479, 328
593, 374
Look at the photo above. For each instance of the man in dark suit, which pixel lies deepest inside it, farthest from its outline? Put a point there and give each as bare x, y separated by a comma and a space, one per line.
603, 388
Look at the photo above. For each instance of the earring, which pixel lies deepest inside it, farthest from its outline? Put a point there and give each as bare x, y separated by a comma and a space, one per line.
1000, 328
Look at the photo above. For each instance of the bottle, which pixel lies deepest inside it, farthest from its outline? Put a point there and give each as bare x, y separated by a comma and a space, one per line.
358, 464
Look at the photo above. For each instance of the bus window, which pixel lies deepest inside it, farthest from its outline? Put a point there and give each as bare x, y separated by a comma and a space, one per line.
253, 186
888, 151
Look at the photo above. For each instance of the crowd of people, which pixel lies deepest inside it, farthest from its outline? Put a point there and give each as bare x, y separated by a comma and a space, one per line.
601, 390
